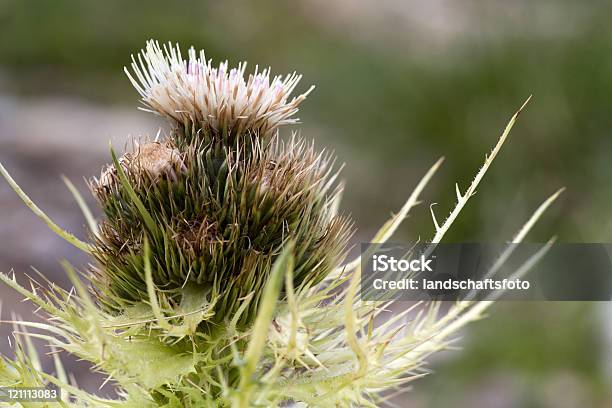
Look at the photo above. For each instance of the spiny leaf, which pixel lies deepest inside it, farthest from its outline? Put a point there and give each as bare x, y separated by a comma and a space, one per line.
89, 218
40, 213
261, 327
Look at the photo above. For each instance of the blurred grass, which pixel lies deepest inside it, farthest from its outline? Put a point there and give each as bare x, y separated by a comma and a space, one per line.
391, 107
400, 105
531, 344
502, 344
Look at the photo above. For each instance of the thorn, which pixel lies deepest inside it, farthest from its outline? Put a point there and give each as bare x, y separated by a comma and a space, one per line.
433, 216
459, 196
518, 112
558, 192
110, 377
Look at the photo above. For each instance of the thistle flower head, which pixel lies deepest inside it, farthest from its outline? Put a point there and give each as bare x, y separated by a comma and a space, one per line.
216, 99
217, 201
154, 159
157, 159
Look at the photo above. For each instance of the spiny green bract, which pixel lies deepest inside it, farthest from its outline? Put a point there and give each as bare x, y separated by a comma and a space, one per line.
220, 215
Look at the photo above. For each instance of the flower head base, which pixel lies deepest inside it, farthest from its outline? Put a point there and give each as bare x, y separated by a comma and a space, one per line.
216, 219
218, 100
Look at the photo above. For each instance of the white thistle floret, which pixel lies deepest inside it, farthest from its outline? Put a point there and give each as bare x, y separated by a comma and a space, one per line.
192, 90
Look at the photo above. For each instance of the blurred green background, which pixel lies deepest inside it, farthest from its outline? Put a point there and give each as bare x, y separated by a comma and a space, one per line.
399, 84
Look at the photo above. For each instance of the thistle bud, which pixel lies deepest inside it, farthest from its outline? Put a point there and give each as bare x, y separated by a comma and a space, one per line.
158, 159
152, 159
218, 200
